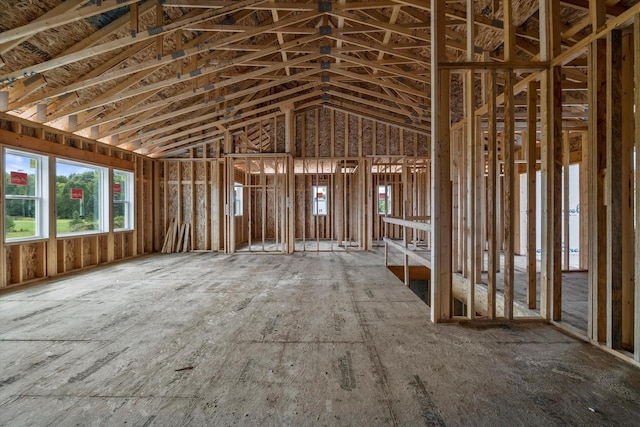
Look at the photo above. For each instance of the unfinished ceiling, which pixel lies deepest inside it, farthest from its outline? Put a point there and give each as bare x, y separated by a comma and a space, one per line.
147, 74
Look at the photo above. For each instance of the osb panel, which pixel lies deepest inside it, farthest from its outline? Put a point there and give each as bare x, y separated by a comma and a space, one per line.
187, 197
200, 169
340, 142
301, 193
86, 250
271, 213
201, 215
186, 170
280, 135
173, 170
409, 142
394, 140
69, 255
381, 139
9, 258
324, 132
354, 131
117, 247
52, 137
172, 210
126, 241
160, 214
423, 145
367, 137
28, 131
310, 134
29, 260
297, 149
103, 243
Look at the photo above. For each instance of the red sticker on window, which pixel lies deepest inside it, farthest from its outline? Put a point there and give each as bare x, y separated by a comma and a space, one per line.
117, 188
76, 194
19, 178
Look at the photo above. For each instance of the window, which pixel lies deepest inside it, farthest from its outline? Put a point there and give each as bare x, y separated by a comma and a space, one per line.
122, 200
237, 199
26, 204
80, 198
319, 195
384, 199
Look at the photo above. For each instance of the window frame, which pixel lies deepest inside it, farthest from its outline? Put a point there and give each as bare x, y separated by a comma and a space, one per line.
315, 202
238, 202
41, 197
387, 199
128, 201
104, 220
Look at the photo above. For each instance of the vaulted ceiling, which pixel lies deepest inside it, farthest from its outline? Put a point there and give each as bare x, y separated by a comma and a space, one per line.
145, 74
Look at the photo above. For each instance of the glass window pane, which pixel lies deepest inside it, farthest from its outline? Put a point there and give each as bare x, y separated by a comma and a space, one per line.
237, 199
122, 200
384, 199
78, 198
20, 174
319, 204
20, 218
25, 183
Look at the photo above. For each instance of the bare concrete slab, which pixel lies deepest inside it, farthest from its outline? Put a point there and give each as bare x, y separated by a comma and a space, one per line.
307, 339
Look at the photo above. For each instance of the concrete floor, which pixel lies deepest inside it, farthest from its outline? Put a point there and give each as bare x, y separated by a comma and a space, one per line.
307, 339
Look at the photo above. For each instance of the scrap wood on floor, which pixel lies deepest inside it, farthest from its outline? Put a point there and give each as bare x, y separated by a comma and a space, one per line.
177, 238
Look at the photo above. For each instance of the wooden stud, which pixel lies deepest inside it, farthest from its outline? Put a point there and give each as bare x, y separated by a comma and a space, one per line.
597, 165
584, 201
614, 189
597, 209
508, 153
3, 252
441, 160
194, 196
470, 192
636, 56
565, 199
360, 138
509, 195
532, 109
492, 195
551, 152
626, 170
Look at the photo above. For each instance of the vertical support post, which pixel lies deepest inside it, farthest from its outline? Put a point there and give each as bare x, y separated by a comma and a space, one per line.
584, 202
492, 196
508, 154
565, 199
288, 143
405, 229
636, 56
52, 244
532, 109
551, 124
441, 158
628, 253
614, 189
597, 166
157, 243
469, 94
3, 252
